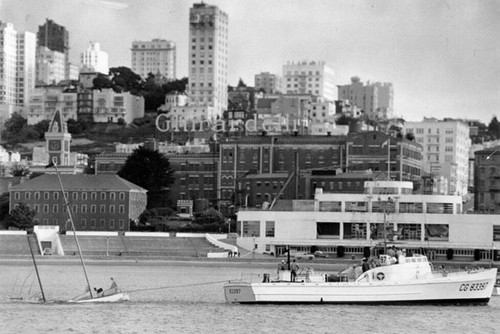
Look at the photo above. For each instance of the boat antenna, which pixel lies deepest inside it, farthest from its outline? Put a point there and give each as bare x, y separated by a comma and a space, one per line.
36, 269
73, 228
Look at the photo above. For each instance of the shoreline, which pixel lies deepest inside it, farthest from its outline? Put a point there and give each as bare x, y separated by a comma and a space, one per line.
329, 264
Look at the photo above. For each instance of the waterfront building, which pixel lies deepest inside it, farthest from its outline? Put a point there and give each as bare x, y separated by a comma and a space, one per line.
98, 202
157, 57
240, 157
445, 146
94, 59
386, 212
487, 181
17, 69
208, 58
111, 107
375, 99
269, 83
314, 77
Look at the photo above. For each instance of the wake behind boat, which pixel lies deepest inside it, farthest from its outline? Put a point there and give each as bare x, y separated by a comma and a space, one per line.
410, 280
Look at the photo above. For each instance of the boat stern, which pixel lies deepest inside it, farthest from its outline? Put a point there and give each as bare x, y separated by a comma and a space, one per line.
239, 292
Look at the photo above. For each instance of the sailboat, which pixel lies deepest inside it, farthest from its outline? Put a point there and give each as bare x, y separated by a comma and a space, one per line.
111, 295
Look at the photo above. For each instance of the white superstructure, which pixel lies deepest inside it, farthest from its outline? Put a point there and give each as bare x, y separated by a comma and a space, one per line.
94, 59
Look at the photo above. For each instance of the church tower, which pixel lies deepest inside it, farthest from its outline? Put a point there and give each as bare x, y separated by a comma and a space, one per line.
57, 140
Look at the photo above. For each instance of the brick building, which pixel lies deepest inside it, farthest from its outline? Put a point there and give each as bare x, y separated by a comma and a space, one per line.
98, 202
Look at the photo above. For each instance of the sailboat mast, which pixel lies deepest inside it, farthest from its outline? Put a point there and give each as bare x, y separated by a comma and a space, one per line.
36, 269
74, 230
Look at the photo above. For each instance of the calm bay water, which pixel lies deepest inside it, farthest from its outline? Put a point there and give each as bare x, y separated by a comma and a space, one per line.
188, 298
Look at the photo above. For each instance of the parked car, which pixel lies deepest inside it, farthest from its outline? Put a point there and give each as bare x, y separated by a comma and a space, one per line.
300, 255
320, 254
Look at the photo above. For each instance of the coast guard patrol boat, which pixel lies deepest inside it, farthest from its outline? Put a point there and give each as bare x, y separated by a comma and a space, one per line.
410, 280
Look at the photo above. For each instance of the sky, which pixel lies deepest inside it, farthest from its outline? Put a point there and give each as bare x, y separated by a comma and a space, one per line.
442, 57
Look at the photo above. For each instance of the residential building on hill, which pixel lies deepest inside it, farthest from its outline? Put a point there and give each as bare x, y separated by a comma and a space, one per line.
269, 83
157, 57
445, 146
313, 77
374, 99
97, 202
46, 100
110, 106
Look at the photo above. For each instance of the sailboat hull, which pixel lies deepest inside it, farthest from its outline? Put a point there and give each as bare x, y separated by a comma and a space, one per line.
116, 298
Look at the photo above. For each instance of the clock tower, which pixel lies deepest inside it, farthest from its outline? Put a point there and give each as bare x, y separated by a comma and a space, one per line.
57, 140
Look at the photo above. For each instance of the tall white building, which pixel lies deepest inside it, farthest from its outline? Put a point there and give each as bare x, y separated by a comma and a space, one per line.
17, 69
157, 57
445, 153
208, 56
94, 59
313, 77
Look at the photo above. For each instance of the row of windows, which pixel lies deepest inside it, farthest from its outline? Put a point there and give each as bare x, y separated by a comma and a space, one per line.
91, 223
84, 208
74, 195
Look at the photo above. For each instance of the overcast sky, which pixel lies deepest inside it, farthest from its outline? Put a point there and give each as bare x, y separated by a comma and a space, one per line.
442, 57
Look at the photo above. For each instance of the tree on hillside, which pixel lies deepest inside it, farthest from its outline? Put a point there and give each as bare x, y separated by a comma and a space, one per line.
101, 81
176, 85
125, 80
208, 216
13, 126
42, 127
151, 170
21, 217
19, 170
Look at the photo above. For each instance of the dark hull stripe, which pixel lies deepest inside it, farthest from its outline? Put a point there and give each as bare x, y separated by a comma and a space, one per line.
475, 301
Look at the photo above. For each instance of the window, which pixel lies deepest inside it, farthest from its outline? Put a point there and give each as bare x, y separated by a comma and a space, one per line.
93, 208
103, 196
55, 195
436, 232
102, 223
46, 195
84, 208
45, 208
55, 208
122, 196
93, 196
121, 209
37, 195
92, 223
102, 208
83, 222
330, 206
27, 195
112, 196
84, 196
74, 196
251, 228
270, 228
111, 223
121, 223
111, 209
17, 195
355, 230
328, 230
